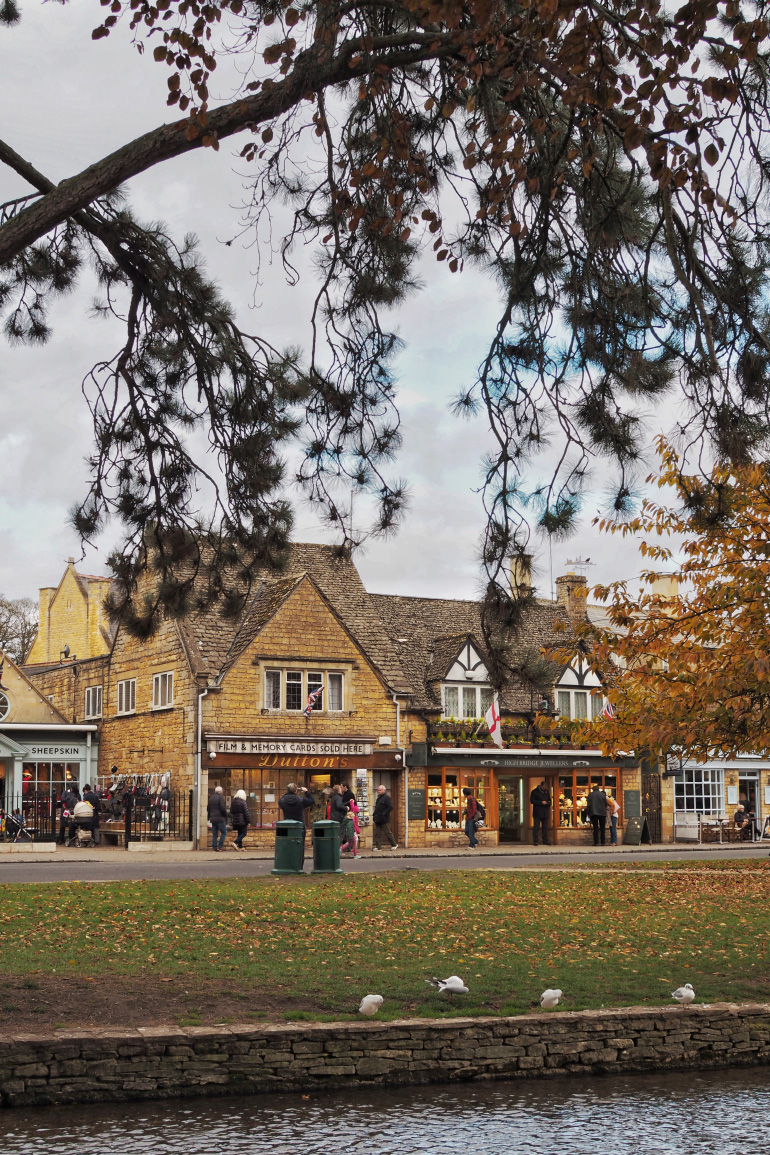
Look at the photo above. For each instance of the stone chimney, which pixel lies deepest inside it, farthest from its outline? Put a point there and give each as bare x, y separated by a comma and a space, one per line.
521, 576
572, 593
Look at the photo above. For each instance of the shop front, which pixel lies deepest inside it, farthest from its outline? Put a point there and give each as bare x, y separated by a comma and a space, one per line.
503, 782
264, 766
37, 763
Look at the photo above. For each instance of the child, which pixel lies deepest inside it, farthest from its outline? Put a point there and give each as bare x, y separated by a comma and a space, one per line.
351, 831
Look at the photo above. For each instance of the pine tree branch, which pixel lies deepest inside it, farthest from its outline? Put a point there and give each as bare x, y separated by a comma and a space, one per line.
309, 75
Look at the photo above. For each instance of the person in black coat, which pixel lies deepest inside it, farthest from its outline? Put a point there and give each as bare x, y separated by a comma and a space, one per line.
239, 812
69, 799
93, 799
293, 805
597, 812
217, 815
540, 798
383, 808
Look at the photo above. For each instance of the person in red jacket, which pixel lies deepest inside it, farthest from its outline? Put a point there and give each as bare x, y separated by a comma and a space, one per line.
471, 811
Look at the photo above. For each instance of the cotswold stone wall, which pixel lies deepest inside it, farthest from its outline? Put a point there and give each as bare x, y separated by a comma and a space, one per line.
162, 1062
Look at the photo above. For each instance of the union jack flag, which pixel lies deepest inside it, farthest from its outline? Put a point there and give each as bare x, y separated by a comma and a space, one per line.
608, 710
312, 701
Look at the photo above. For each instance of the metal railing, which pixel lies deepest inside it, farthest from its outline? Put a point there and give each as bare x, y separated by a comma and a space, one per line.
131, 817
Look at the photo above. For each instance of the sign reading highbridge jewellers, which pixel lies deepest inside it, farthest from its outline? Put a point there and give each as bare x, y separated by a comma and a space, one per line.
315, 746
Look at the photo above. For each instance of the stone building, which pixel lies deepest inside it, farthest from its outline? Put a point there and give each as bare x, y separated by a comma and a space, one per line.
404, 685
40, 750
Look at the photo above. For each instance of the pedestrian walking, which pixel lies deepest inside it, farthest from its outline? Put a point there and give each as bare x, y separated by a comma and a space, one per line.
597, 812
239, 812
383, 808
217, 815
471, 813
613, 807
540, 800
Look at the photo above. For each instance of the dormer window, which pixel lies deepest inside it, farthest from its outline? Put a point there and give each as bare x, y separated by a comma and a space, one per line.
465, 690
579, 692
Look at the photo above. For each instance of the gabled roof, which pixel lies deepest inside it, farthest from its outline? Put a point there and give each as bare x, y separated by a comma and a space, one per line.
214, 641
419, 627
446, 651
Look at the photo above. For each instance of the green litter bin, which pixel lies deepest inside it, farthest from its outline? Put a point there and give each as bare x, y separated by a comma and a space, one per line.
326, 848
289, 847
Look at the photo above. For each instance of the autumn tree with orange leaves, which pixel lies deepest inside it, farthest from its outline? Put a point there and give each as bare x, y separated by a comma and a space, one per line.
606, 163
689, 671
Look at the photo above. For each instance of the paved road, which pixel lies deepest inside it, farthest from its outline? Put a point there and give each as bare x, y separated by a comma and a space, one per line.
121, 867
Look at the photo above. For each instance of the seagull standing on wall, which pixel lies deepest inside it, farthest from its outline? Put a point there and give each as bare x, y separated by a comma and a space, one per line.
454, 985
684, 995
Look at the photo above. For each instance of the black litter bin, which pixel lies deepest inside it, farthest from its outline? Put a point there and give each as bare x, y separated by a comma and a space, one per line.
326, 848
289, 847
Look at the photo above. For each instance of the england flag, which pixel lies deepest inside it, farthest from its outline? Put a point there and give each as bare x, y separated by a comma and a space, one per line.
492, 719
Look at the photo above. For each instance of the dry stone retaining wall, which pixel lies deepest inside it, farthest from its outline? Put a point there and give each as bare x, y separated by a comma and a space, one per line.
163, 1062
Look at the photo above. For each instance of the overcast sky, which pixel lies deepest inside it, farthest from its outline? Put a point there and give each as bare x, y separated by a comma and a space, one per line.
74, 100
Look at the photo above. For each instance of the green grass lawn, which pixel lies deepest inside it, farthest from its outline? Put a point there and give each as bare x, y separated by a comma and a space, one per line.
607, 939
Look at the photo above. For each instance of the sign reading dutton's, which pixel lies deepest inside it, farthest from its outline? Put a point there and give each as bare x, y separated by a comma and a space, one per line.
314, 746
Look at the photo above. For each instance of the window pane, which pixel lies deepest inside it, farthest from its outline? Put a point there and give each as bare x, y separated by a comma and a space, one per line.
581, 705
314, 682
335, 692
597, 704
563, 705
294, 690
273, 690
486, 700
452, 801
469, 701
451, 707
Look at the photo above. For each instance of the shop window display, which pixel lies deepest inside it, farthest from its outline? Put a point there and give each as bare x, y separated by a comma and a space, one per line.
445, 801
573, 795
264, 788
41, 788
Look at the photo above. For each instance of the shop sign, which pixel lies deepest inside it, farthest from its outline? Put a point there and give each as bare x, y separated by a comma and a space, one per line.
416, 805
286, 746
56, 751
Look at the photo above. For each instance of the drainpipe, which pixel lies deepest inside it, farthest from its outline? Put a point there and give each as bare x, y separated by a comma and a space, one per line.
88, 758
402, 752
198, 768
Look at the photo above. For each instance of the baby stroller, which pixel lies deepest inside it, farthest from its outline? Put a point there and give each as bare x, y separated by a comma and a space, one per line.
81, 827
15, 827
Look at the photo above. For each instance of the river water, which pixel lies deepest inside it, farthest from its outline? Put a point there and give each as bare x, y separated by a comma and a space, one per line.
672, 1114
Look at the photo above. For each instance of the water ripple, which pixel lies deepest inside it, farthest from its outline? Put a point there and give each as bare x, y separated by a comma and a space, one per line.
673, 1114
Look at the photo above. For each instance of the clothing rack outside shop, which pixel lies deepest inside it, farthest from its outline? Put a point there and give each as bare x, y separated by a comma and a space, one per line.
127, 815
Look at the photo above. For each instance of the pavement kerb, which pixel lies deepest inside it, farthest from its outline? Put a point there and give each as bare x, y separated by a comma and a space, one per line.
554, 853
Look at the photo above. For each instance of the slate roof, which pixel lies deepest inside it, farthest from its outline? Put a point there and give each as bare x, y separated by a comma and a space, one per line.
428, 633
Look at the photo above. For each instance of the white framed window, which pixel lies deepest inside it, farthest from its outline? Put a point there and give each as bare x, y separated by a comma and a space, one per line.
700, 791
290, 689
294, 690
127, 696
272, 689
578, 704
162, 690
93, 702
334, 695
466, 701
